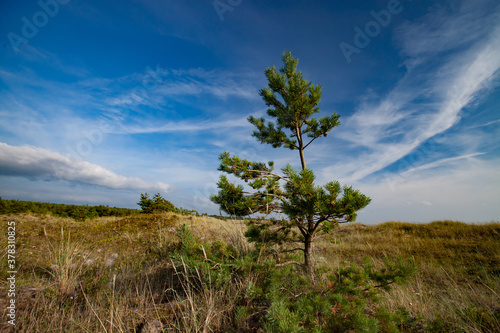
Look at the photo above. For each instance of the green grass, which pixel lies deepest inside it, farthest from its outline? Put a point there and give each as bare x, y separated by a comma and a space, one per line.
114, 274
458, 284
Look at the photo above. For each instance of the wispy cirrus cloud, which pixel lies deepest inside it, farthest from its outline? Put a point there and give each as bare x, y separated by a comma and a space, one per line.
458, 25
38, 163
438, 163
133, 103
154, 86
429, 99
184, 126
486, 124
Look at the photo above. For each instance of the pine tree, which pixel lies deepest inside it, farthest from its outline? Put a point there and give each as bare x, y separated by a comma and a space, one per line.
162, 204
309, 209
146, 203
157, 204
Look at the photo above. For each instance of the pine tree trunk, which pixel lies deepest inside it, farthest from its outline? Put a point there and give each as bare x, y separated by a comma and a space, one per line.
307, 254
301, 147
302, 159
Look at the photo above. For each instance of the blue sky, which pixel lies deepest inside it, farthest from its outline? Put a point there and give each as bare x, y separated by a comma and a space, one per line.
103, 100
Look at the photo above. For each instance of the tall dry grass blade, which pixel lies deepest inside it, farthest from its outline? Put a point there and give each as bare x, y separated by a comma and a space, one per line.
92, 308
112, 303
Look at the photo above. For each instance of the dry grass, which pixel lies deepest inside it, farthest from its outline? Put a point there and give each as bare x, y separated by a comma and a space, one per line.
458, 283
108, 275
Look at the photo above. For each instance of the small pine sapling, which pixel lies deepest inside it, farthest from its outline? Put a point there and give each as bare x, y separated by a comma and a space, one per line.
309, 209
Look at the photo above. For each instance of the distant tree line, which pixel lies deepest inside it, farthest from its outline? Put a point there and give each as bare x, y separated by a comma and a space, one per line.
148, 205
77, 212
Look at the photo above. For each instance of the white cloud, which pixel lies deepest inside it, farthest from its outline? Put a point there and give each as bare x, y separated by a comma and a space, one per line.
39, 163
466, 190
437, 163
185, 126
484, 125
445, 29
154, 87
424, 103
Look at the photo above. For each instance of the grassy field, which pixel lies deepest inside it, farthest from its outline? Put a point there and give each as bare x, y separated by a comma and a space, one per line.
118, 274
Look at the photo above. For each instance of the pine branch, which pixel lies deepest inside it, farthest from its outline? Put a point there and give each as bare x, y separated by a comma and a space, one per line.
289, 263
269, 173
260, 193
302, 231
311, 141
380, 285
292, 250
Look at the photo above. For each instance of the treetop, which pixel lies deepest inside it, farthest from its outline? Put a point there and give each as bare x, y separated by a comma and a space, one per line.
291, 101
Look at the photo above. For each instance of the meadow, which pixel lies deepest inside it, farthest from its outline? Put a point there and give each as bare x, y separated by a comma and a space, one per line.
169, 272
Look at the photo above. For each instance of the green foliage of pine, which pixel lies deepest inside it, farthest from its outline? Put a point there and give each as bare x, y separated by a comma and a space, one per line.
156, 204
287, 300
346, 301
305, 209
